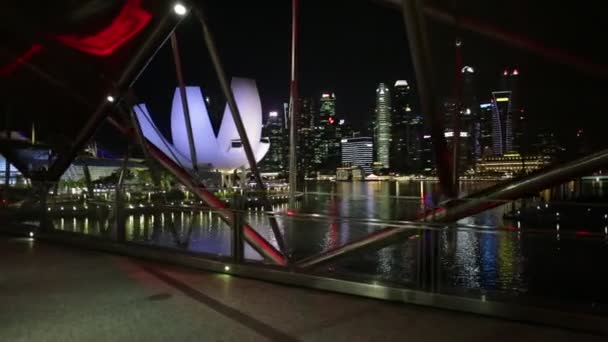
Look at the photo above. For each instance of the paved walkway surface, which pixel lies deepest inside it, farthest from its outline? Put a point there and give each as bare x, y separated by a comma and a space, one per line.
53, 293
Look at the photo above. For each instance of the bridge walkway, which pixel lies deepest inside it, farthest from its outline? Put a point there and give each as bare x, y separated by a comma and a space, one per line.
53, 293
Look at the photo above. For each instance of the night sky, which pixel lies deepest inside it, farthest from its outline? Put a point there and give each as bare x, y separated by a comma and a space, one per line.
348, 47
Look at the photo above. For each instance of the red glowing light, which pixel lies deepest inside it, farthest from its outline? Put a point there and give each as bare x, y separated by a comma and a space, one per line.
9, 68
291, 212
583, 232
331, 120
505, 73
515, 72
127, 24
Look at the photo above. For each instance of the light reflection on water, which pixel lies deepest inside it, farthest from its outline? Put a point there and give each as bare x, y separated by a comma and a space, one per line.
493, 261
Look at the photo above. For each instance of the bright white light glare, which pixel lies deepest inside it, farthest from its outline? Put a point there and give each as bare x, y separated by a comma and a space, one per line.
31, 234
273, 114
226, 268
467, 70
179, 9
110, 98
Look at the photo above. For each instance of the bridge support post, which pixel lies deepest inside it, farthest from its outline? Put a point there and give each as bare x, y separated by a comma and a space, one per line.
421, 58
119, 214
236, 115
183, 97
237, 246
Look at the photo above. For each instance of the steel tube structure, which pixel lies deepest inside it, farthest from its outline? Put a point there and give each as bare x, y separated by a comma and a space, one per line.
227, 90
421, 58
293, 105
374, 241
182, 91
141, 141
497, 195
457, 112
128, 76
255, 240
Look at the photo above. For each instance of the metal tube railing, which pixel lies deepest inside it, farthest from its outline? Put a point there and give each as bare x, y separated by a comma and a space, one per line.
251, 236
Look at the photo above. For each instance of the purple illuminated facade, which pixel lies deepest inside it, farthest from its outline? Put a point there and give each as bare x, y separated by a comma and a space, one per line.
222, 152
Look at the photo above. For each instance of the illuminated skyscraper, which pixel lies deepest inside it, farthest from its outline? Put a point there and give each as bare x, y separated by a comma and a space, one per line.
483, 131
453, 113
327, 148
382, 129
305, 148
276, 131
508, 118
400, 155
469, 114
502, 123
358, 152
415, 144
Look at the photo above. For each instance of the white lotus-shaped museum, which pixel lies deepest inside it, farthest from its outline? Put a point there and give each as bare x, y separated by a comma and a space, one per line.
224, 151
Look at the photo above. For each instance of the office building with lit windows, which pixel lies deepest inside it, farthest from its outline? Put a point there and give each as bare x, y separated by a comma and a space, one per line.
400, 127
483, 144
382, 129
508, 118
327, 144
275, 129
306, 139
358, 152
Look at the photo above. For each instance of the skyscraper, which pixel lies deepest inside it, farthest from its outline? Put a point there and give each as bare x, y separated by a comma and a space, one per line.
415, 144
469, 113
358, 152
518, 115
382, 129
400, 156
305, 148
483, 131
327, 149
508, 118
276, 158
502, 123
458, 117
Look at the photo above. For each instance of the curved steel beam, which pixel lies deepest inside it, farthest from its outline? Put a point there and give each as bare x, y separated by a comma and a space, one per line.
255, 240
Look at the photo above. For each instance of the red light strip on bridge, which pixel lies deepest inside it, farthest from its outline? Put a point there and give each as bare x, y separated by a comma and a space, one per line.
131, 20
9, 68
